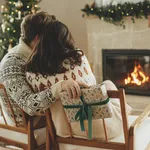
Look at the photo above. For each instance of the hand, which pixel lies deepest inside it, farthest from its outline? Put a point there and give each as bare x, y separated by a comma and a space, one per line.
73, 88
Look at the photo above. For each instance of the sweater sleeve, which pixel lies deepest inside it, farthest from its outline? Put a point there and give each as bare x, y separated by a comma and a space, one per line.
12, 76
86, 65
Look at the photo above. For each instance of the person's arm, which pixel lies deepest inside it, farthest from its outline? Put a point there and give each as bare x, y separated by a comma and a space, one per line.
14, 80
18, 90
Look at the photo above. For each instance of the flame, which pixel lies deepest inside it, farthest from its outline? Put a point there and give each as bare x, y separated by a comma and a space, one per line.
137, 76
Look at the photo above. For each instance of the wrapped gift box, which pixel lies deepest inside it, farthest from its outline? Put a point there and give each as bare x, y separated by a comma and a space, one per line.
93, 99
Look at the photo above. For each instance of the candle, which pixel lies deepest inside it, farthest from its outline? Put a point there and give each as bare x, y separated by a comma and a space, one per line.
9, 46
2, 9
19, 14
3, 27
33, 10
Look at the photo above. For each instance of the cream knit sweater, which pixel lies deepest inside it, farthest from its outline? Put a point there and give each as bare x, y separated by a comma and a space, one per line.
13, 77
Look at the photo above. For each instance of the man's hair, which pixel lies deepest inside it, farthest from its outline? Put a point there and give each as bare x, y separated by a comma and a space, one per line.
55, 44
34, 24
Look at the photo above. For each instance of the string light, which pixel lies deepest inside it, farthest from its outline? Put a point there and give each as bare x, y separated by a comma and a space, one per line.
28, 6
14, 31
119, 11
8, 29
35, 5
2, 8
12, 12
10, 2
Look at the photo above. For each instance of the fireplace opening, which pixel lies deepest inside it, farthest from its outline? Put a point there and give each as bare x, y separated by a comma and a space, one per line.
128, 69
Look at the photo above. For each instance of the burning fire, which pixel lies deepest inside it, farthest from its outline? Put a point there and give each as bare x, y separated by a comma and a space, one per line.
137, 76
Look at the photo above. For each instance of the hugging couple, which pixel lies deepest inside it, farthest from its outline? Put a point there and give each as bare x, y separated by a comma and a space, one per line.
44, 63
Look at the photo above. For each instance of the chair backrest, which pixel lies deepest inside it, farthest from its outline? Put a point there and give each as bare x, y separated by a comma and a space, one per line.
11, 112
95, 143
26, 127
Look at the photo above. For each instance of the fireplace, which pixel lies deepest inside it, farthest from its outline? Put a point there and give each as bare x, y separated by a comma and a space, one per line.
128, 69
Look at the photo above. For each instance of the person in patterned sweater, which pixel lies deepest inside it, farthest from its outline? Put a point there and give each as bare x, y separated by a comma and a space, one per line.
13, 69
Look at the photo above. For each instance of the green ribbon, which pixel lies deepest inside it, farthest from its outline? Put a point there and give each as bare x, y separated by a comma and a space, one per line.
85, 113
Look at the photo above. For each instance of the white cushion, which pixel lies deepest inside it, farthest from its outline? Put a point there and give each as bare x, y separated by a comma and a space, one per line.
40, 135
142, 137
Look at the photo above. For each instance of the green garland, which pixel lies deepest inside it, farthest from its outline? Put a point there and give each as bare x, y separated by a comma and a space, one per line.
115, 13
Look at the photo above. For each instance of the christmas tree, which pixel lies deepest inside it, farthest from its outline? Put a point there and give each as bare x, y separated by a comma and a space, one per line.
12, 14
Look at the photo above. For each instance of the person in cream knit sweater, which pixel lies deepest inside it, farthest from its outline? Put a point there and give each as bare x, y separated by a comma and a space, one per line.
13, 76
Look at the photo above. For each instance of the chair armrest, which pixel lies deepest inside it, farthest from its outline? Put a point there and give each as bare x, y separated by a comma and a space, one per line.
141, 118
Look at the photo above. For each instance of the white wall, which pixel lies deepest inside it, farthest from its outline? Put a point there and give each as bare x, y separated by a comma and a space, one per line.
69, 12
2, 2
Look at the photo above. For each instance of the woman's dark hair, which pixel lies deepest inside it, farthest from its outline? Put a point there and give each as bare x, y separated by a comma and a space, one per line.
55, 44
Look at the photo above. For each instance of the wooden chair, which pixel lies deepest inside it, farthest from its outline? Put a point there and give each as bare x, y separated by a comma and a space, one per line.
26, 136
129, 132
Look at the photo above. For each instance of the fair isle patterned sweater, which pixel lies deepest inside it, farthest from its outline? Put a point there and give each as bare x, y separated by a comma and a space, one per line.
81, 73
21, 95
